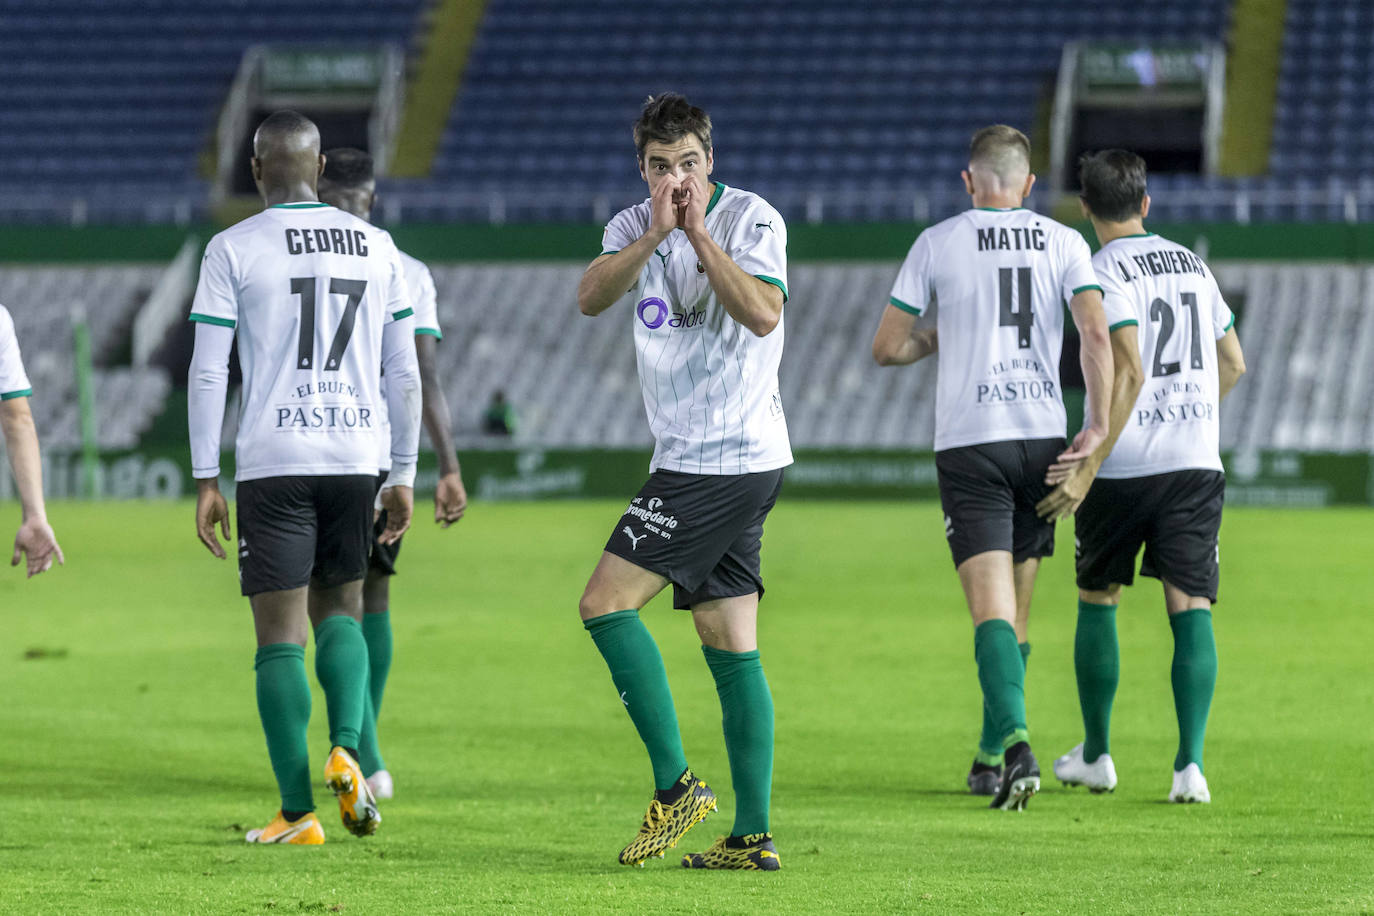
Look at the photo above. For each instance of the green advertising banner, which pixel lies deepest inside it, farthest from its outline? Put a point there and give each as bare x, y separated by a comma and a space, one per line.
1268, 478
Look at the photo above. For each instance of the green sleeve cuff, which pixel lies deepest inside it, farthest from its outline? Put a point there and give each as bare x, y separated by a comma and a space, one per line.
1122, 324
1089, 286
1230, 324
212, 319
432, 332
897, 303
11, 395
776, 282
614, 251
403, 313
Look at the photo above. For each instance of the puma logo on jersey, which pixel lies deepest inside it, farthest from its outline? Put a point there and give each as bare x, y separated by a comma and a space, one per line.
768, 225
634, 541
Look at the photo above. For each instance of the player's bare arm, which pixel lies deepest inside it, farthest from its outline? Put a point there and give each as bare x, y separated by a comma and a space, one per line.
1095, 358
35, 540
450, 498
899, 342
211, 510
1230, 364
750, 301
610, 275
1072, 479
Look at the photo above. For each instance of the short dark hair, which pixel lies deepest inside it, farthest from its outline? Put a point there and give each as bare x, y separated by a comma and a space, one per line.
993, 143
667, 118
1113, 184
346, 167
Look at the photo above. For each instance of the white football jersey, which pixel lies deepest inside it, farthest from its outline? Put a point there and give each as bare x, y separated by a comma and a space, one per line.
1001, 279
710, 385
308, 289
14, 382
424, 300
1170, 294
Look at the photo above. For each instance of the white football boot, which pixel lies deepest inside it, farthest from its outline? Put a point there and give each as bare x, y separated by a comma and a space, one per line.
1098, 776
380, 784
1190, 786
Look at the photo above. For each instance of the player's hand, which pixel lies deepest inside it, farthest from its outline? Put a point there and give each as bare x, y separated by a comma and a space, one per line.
211, 509
928, 340
450, 499
399, 503
663, 207
1081, 449
1065, 499
38, 544
692, 210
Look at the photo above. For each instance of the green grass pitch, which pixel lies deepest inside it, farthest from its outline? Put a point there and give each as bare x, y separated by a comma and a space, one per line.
133, 760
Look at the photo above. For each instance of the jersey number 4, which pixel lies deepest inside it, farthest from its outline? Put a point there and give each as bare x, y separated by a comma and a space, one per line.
1162, 312
1022, 316
305, 346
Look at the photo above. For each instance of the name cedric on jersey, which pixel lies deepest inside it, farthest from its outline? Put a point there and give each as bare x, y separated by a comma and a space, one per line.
324, 241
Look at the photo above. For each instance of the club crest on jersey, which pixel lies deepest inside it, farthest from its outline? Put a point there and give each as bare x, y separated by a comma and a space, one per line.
701, 268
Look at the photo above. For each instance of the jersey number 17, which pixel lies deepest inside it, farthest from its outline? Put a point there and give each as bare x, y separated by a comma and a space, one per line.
305, 346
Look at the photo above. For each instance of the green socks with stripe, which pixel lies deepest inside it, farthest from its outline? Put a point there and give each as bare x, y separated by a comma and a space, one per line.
1097, 665
746, 707
284, 707
638, 672
1194, 678
989, 742
341, 665
1002, 674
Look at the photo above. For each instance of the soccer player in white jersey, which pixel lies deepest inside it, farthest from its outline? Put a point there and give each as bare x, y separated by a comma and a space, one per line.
707, 266
1162, 485
34, 541
349, 183
318, 300
1000, 274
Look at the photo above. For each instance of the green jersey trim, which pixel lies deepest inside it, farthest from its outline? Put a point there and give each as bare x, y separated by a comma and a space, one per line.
604, 253
1134, 235
1000, 209
403, 313
11, 395
1122, 324
1088, 286
715, 198
305, 205
432, 332
897, 303
1230, 324
212, 319
776, 282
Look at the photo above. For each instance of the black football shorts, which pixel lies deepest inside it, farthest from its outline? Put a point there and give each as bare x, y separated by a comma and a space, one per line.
989, 491
702, 532
298, 531
1177, 516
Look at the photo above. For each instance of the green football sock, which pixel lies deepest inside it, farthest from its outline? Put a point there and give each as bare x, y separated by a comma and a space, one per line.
1195, 677
1002, 674
1097, 663
638, 672
989, 742
746, 707
369, 753
284, 707
341, 666
377, 632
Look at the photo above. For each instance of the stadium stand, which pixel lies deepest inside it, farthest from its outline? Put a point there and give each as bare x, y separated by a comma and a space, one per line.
45, 303
108, 104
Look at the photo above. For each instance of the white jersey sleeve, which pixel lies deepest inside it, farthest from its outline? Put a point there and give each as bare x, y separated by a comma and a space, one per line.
14, 382
624, 228
217, 300
1078, 273
423, 297
912, 291
1116, 302
1223, 319
758, 245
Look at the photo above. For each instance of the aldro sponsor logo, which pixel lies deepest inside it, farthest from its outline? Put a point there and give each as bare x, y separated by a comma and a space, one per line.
655, 313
